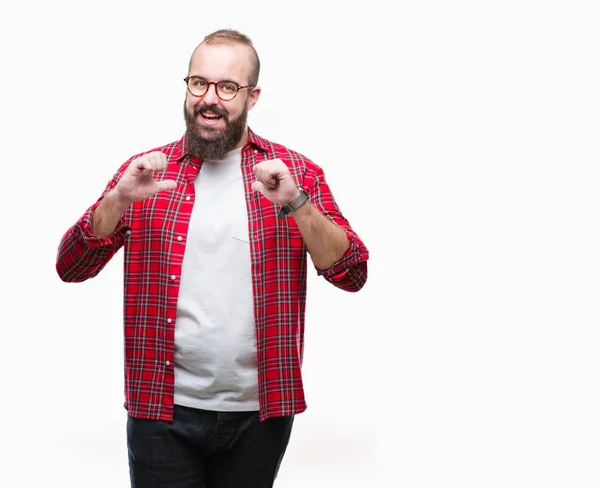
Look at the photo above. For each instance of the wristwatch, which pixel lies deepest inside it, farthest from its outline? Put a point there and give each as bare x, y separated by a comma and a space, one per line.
293, 205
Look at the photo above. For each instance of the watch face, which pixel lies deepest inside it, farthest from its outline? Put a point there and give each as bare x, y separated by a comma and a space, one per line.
282, 213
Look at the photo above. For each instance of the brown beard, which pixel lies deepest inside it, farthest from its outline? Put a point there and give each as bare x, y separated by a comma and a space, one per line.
223, 140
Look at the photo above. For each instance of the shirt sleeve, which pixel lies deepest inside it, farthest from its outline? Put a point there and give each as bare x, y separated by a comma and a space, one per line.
81, 254
350, 272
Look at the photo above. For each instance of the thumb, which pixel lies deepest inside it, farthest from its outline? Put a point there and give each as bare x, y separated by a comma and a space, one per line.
258, 186
166, 185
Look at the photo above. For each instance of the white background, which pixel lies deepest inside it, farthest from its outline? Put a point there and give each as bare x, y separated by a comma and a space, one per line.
460, 140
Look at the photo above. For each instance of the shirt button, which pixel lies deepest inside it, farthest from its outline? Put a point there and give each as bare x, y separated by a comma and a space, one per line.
187, 198
173, 277
179, 238
169, 320
255, 151
128, 232
168, 363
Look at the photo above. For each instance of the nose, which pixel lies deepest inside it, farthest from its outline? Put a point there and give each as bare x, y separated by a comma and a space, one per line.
210, 97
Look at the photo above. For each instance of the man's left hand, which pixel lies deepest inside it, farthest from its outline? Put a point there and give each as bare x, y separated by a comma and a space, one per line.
275, 182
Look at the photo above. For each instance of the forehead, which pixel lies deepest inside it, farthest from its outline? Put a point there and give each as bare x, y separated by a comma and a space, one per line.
222, 62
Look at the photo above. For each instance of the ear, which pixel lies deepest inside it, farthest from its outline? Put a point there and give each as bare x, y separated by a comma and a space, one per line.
253, 97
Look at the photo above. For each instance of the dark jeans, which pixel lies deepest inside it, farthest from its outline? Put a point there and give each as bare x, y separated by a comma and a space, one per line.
205, 449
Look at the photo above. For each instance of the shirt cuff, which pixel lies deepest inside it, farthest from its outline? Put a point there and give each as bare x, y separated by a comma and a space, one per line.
93, 241
355, 254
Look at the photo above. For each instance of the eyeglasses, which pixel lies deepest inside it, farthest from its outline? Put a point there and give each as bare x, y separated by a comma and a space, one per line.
226, 90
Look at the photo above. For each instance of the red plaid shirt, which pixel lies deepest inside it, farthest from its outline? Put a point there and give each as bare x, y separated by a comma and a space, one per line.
154, 233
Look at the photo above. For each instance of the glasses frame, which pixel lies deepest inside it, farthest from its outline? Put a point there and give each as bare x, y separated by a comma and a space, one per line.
208, 83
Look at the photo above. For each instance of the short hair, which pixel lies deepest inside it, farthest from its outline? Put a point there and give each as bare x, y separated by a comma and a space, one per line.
231, 36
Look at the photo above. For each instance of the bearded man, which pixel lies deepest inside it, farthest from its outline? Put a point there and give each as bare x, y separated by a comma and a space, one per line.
216, 230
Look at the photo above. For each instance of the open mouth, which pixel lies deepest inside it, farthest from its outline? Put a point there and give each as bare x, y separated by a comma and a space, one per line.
209, 116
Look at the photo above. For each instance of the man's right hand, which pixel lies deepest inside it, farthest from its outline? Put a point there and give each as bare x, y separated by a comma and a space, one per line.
138, 183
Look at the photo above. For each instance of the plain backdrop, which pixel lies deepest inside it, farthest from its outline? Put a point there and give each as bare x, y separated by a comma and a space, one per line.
461, 141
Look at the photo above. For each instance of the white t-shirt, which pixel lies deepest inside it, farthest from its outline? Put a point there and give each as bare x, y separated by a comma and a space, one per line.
215, 339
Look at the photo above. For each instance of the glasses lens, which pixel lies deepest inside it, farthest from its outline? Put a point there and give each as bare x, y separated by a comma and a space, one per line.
197, 86
227, 90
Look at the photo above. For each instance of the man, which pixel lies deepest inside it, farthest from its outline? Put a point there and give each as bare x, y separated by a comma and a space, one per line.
216, 229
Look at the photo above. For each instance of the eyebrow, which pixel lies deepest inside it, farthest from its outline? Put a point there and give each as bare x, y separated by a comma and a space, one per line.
226, 80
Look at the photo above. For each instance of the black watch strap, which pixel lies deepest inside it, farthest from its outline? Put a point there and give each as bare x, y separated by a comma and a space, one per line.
294, 205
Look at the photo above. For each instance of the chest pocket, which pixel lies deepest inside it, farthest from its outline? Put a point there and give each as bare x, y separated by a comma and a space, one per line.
239, 230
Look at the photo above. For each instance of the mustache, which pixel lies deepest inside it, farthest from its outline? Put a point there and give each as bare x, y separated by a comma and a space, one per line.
213, 108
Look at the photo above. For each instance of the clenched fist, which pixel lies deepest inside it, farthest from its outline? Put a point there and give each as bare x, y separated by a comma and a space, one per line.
275, 182
138, 183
